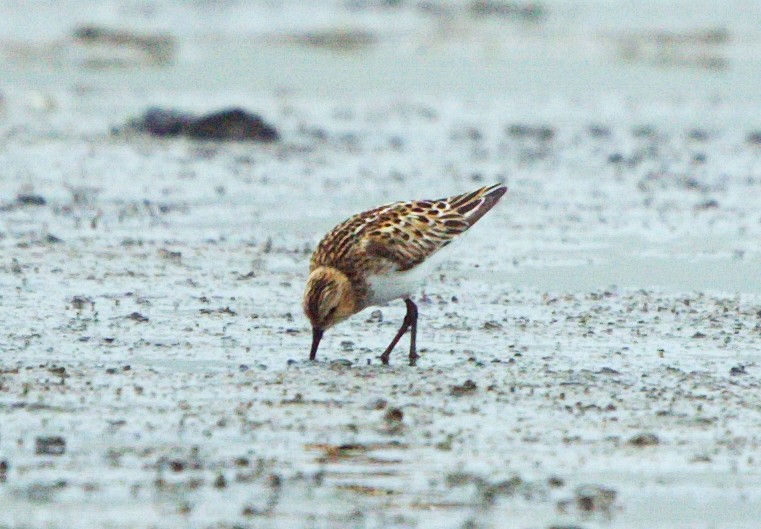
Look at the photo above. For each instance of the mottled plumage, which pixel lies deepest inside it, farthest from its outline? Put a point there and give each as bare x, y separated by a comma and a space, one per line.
373, 256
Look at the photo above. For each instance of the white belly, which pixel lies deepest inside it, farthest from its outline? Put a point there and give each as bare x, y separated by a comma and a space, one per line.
395, 285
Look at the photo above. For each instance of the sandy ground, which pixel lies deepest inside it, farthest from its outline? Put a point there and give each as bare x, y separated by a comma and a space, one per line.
589, 350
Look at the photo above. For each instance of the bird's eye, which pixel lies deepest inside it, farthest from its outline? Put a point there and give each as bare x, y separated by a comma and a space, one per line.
331, 312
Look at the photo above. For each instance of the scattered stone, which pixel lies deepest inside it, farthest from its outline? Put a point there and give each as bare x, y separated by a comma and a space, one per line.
599, 131
697, 135
524, 11
220, 482
158, 49
79, 302
708, 204
615, 158
30, 200
593, 498
491, 491
341, 362
492, 325
754, 138
466, 388
338, 40
233, 124
393, 415
541, 133
644, 439
698, 335
222, 310
177, 465
4, 466
170, 255
54, 446
738, 370
645, 131
136, 316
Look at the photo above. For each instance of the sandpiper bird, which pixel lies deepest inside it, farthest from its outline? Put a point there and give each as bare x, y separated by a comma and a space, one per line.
384, 254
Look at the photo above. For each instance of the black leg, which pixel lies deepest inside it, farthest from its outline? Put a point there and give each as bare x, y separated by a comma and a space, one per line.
412, 313
409, 319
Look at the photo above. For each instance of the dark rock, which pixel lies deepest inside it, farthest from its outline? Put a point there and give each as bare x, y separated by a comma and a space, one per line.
599, 131
233, 124
79, 302
754, 137
159, 48
341, 362
644, 439
708, 204
525, 11
54, 446
161, 122
466, 388
615, 157
136, 316
644, 131
541, 133
30, 200
177, 465
338, 40
697, 135
591, 498
738, 370
393, 415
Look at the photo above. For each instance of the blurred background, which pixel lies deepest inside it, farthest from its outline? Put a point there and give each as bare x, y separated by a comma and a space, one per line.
340, 48
623, 128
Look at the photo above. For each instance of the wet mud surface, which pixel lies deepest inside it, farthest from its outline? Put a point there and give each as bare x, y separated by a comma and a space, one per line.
589, 351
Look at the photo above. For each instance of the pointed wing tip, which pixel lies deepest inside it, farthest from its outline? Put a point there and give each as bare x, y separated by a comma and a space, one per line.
493, 194
497, 190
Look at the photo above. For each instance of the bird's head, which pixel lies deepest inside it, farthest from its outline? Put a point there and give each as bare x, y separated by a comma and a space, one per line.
328, 300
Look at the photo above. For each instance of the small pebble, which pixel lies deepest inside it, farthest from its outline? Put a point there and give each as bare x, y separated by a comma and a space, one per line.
54, 446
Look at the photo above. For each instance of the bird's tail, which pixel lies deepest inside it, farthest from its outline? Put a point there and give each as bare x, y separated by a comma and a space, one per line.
472, 206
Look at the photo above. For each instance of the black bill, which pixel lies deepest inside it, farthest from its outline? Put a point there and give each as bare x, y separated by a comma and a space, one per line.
316, 337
